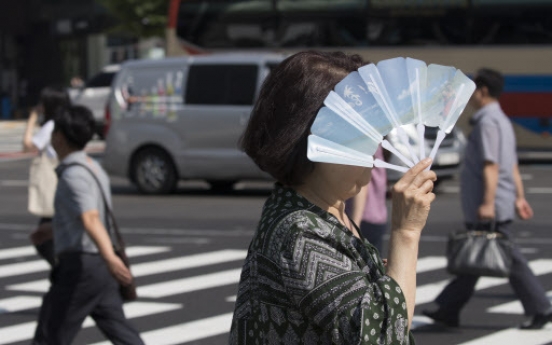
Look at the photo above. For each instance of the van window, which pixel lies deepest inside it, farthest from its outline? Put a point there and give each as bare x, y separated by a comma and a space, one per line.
102, 79
221, 84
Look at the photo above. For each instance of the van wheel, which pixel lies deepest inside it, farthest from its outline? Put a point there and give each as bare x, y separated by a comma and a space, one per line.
153, 171
222, 185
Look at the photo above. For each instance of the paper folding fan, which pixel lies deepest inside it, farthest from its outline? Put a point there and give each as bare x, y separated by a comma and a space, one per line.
367, 104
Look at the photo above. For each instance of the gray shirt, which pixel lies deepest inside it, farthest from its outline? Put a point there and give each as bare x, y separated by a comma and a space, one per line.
77, 192
492, 139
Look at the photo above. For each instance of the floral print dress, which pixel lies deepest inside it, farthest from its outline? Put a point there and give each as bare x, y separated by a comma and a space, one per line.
308, 280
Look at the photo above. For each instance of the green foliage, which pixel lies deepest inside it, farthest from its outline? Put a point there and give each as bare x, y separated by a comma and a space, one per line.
140, 18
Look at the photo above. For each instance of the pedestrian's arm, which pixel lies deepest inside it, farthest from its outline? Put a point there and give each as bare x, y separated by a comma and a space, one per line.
29, 130
98, 233
489, 133
486, 210
523, 208
490, 177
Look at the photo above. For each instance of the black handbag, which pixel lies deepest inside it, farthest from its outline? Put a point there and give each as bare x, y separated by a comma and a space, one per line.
128, 292
480, 253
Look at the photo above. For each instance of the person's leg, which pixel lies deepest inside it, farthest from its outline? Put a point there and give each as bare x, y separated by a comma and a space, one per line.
109, 315
454, 297
69, 300
374, 234
525, 284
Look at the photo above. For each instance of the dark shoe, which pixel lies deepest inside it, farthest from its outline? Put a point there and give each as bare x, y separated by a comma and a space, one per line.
537, 322
440, 317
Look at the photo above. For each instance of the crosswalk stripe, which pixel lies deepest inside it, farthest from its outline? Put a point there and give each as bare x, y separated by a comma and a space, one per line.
515, 336
428, 292
27, 267
139, 309
23, 268
190, 261
154, 267
17, 252
18, 303
430, 263
184, 285
24, 331
186, 332
513, 307
136, 251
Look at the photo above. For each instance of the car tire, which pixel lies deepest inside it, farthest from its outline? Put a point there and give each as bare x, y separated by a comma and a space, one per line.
153, 171
222, 185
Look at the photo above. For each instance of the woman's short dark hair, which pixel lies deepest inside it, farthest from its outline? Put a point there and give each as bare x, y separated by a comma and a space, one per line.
76, 123
492, 79
52, 99
291, 95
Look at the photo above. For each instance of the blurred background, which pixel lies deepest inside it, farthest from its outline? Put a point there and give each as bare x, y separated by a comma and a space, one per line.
68, 42
163, 134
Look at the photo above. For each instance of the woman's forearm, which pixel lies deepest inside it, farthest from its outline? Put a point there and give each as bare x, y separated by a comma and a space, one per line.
401, 265
29, 130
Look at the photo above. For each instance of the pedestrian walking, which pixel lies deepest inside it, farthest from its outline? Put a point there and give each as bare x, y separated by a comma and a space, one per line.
368, 208
42, 176
491, 194
309, 276
87, 273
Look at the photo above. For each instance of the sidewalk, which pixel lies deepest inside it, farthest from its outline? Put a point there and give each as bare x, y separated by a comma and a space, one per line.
12, 124
11, 135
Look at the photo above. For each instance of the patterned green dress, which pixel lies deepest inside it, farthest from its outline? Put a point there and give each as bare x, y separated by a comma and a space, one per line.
308, 280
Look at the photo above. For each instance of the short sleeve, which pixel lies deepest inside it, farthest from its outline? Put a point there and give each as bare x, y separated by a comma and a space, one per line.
490, 141
79, 191
42, 138
356, 305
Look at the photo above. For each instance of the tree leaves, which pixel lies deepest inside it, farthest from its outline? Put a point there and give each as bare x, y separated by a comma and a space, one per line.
140, 18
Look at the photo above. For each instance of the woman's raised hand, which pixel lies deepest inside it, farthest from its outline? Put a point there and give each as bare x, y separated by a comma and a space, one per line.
412, 198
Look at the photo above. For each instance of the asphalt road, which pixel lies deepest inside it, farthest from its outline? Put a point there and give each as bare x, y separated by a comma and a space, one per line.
187, 251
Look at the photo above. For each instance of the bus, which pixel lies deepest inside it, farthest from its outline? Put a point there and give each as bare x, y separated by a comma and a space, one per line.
512, 36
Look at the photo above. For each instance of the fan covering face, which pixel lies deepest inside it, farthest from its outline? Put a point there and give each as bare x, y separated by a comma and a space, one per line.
367, 104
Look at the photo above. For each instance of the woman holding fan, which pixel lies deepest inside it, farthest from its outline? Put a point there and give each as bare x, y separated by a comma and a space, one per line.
310, 277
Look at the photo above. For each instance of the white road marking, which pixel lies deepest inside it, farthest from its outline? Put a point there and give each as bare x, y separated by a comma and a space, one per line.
186, 332
513, 307
20, 268
430, 263
18, 303
179, 286
17, 252
24, 331
515, 336
153, 267
428, 292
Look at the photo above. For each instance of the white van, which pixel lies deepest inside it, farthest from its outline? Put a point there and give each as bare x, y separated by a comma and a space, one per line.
181, 118
94, 94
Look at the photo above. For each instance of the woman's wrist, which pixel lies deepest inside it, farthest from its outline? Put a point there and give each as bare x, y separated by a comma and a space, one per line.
406, 236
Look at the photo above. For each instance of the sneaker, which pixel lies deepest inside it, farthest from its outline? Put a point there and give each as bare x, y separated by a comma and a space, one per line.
442, 318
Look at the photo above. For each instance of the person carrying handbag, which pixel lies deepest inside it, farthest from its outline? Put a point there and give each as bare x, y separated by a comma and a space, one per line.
492, 193
88, 272
42, 176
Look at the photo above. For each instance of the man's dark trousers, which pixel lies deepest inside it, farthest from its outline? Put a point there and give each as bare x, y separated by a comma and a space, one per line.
82, 286
523, 281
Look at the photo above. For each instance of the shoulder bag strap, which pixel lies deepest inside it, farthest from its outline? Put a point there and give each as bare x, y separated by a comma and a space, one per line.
108, 212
